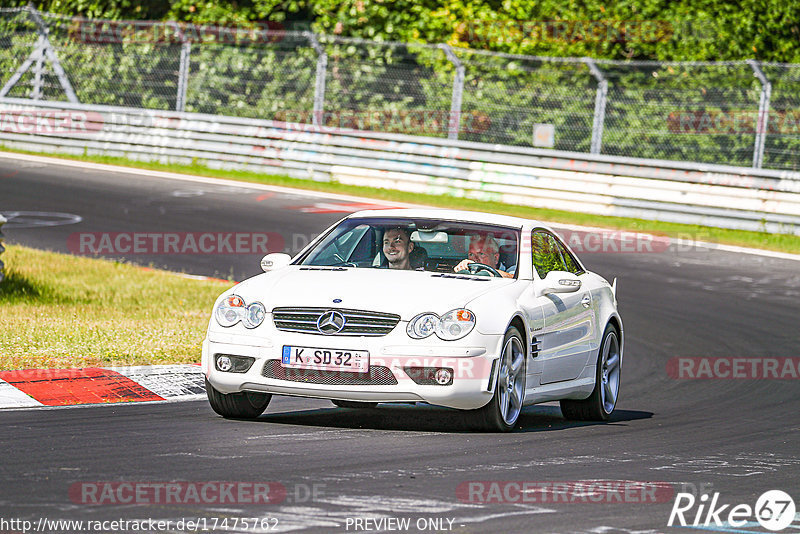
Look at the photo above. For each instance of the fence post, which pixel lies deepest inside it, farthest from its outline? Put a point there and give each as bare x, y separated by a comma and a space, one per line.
2, 222
319, 87
183, 68
763, 114
458, 92
599, 106
183, 76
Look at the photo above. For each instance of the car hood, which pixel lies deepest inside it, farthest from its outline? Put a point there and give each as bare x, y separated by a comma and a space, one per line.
406, 293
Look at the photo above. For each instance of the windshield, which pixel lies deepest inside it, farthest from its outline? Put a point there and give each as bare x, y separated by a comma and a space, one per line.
416, 244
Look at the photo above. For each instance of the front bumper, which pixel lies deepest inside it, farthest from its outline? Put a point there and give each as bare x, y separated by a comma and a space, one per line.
472, 360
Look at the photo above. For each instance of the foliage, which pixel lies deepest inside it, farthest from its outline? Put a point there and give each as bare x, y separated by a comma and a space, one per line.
682, 30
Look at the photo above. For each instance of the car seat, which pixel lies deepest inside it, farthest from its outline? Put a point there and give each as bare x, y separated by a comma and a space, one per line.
418, 257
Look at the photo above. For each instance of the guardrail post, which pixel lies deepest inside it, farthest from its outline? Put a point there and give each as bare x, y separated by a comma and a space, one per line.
763, 114
458, 93
599, 106
319, 87
2, 222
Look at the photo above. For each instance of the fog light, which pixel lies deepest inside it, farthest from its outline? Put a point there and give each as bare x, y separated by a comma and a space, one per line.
234, 364
224, 363
443, 377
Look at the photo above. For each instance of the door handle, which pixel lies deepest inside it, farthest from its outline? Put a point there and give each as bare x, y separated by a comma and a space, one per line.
586, 301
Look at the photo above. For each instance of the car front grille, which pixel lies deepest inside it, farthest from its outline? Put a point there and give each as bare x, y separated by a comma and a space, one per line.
357, 322
378, 375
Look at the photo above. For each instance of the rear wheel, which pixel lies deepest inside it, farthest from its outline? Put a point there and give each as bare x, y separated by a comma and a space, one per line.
243, 405
355, 404
503, 410
601, 403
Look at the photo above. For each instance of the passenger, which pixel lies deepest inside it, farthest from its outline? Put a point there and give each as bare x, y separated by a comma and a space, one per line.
485, 249
397, 247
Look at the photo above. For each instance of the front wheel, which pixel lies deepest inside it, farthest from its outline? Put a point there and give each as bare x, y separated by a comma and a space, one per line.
242, 405
601, 403
503, 410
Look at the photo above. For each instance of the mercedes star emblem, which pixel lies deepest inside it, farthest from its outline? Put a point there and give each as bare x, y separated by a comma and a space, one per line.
331, 322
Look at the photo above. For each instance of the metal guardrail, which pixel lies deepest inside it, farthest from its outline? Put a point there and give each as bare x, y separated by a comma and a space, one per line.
692, 193
2, 248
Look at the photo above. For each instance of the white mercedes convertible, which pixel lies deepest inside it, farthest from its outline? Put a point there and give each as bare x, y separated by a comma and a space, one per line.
477, 312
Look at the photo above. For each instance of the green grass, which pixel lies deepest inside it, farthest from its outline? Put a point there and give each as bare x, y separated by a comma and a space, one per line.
61, 311
762, 240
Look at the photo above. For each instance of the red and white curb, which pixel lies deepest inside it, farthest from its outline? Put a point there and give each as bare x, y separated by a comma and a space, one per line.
100, 385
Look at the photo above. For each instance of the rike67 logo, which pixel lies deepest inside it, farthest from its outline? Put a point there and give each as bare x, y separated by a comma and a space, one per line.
774, 511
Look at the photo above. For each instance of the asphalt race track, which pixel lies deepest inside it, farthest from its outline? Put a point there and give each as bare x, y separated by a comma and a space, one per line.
737, 437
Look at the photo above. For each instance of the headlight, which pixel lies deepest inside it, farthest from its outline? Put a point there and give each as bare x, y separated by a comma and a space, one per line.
255, 315
422, 325
233, 309
230, 311
453, 325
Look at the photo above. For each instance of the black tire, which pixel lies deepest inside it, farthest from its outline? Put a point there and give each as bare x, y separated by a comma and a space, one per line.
355, 405
594, 408
244, 405
490, 418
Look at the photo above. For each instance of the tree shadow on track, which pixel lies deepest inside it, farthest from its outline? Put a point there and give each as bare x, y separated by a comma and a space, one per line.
425, 418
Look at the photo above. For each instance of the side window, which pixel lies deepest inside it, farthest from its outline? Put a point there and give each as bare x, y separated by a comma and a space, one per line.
569, 261
546, 254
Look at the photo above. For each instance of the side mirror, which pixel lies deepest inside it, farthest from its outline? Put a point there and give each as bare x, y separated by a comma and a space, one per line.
274, 261
559, 282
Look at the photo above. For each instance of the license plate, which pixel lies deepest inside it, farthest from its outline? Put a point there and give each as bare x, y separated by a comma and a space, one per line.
355, 361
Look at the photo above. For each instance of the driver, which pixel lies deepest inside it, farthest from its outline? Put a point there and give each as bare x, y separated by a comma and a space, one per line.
397, 247
484, 249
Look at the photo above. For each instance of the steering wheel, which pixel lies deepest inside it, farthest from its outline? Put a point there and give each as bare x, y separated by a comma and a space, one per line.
475, 268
